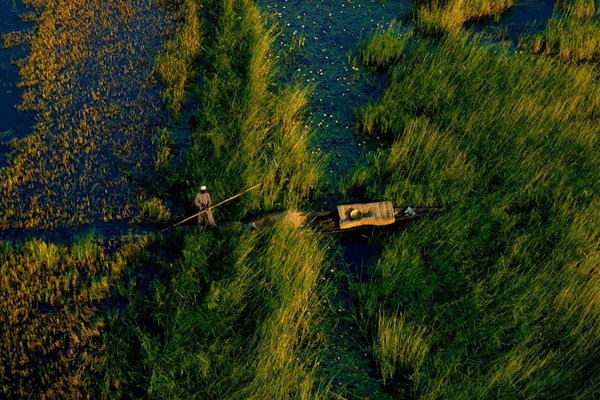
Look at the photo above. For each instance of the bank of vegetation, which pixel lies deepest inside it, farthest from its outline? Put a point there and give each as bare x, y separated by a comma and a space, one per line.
444, 17
498, 297
572, 34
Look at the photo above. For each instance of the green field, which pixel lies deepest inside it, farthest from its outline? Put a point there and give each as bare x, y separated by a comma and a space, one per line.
495, 297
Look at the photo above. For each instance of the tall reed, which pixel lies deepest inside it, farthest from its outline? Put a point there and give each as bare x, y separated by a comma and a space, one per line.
507, 143
248, 131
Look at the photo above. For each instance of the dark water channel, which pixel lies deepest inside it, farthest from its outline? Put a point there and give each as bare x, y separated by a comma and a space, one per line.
13, 123
330, 31
526, 16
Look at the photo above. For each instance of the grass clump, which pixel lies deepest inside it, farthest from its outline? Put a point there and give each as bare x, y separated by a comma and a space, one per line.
573, 33
153, 210
442, 17
384, 48
508, 144
399, 346
247, 130
174, 66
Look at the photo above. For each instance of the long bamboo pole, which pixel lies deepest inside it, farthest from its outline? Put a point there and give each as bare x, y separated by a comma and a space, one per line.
215, 206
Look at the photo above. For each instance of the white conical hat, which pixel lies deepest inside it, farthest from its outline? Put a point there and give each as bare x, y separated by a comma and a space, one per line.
202, 187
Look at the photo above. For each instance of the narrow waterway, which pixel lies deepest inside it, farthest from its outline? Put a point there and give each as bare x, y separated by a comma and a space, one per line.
526, 16
319, 40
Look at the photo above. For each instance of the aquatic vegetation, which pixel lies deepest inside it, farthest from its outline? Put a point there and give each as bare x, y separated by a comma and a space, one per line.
237, 319
578, 8
573, 33
399, 347
51, 301
174, 66
502, 282
96, 111
440, 17
153, 210
248, 131
383, 48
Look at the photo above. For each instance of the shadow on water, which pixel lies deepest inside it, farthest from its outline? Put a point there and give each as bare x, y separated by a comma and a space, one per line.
360, 253
70, 235
13, 123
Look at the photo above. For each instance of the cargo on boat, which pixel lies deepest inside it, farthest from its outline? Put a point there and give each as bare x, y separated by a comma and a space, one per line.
349, 217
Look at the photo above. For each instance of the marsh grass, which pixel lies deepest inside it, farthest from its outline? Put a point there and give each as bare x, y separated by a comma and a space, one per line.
384, 48
508, 144
399, 346
294, 48
248, 131
51, 299
443, 17
578, 8
174, 66
96, 113
153, 210
573, 33
237, 315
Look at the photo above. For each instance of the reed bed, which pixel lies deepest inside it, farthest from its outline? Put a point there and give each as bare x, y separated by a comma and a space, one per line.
572, 34
236, 317
385, 47
497, 297
247, 130
97, 113
443, 17
53, 301
175, 65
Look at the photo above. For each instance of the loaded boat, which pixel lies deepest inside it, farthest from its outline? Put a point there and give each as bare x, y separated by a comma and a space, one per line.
350, 217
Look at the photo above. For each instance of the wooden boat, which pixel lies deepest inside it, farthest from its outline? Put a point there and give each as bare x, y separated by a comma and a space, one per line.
352, 217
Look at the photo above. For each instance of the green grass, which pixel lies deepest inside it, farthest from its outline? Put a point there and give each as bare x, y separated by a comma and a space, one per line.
235, 314
153, 210
174, 66
444, 17
237, 317
579, 8
384, 48
572, 34
499, 292
247, 130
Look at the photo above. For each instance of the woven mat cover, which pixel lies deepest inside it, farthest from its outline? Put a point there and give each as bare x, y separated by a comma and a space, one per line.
380, 213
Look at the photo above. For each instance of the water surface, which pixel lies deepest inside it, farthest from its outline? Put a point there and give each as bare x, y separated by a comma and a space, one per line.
332, 32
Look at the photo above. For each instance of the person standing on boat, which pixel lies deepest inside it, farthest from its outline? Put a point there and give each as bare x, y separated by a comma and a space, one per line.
203, 202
